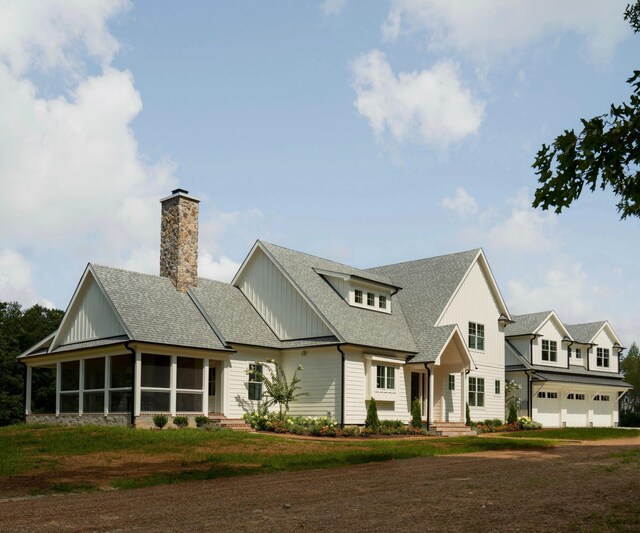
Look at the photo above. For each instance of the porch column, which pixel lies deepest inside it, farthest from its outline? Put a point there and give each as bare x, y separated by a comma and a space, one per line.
463, 396
136, 392
431, 404
107, 383
58, 386
27, 400
173, 384
205, 387
81, 388
222, 393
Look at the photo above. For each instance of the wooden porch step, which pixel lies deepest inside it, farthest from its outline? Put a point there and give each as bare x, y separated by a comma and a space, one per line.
237, 424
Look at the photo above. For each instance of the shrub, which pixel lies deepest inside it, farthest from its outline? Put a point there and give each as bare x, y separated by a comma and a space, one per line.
629, 419
372, 421
513, 413
202, 421
392, 424
525, 422
160, 421
416, 414
468, 415
181, 421
492, 422
350, 431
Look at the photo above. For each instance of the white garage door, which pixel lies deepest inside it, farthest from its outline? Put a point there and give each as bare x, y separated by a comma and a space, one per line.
548, 408
603, 410
576, 405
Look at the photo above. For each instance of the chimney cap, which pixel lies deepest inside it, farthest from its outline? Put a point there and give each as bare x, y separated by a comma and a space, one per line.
179, 192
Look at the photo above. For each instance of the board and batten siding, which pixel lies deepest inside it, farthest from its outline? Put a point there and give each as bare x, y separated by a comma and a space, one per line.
319, 378
494, 406
278, 301
603, 340
93, 317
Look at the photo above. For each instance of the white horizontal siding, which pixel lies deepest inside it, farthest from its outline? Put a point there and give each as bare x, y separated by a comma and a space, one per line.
319, 378
279, 302
493, 403
92, 316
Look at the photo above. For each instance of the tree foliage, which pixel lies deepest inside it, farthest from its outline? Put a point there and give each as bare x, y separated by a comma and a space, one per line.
19, 330
630, 367
372, 421
279, 390
604, 154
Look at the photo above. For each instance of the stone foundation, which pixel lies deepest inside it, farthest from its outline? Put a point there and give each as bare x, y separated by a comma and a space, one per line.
80, 420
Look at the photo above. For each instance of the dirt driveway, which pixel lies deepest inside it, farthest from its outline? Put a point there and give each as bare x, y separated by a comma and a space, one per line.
569, 488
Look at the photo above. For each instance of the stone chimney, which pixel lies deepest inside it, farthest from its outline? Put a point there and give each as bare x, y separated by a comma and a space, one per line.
179, 239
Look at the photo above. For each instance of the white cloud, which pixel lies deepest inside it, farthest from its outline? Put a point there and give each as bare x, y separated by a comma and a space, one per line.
333, 7
461, 203
16, 280
431, 106
51, 34
223, 269
487, 29
526, 229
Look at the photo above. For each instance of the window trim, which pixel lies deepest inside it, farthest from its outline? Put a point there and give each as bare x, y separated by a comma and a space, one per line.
452, 382
476, 336
497, 386
256, 367
476, 392
551, 351
385, 376
603, 356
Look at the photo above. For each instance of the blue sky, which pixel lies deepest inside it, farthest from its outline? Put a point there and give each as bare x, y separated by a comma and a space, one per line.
364, 132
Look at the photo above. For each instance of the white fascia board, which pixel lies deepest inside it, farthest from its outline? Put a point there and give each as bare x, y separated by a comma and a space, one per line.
283, 271
563, 329
38, 345
355, 279
383, 359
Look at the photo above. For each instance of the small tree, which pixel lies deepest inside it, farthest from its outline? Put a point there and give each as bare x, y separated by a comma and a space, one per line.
510, 389
280, 390
372, 422
468, 415
513, 413
416, 414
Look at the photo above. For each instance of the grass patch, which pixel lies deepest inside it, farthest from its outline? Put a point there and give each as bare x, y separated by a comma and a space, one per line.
577, 433
201, 455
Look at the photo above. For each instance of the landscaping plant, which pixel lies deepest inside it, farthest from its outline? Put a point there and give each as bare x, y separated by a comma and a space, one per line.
160, 421
181, 421
201, 421
468, 415
513, 413
416, 414
279, 390
372, 421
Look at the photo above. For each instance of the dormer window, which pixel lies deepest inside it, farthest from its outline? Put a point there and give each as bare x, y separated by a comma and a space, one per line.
382, 302
359, 291
371, 299
357, 296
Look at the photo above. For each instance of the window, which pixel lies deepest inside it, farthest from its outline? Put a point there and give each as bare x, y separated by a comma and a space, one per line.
212, 381
358, 296
156, 382
578, 353
601, 398
452, 382
120, 384
573, 396
70, 387
385, 377
542, 395
189, 384
382, 302
602, 357
93, 397
497, 386
476, 392
552, 395
255, 385
371, 299
476, 336
549, 350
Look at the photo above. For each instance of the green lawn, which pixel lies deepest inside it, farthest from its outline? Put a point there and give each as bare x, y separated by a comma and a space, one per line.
200, 454
576, 433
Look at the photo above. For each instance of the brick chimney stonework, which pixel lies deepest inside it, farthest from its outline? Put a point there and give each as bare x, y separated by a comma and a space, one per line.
179, 239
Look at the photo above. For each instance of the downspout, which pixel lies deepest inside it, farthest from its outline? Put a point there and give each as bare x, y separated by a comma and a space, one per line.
530, 393
133, 381
588, 350
569, 353
342, 387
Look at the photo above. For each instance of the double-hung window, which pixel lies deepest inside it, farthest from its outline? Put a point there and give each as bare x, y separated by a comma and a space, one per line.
255, 384
476, 336
476, 392
385, 377
452, 382
497, 386
578, 353
602, 357
549, 350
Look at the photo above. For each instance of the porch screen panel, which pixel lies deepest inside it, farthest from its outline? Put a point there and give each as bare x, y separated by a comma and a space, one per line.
189, 402
94, 373
93, 402
120, 401
70, 375
152, 401
69, 403
156, 371
121, 371
189, 373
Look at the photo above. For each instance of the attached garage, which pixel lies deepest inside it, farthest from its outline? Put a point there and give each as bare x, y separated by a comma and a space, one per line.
576, 408
603, 406
546, 408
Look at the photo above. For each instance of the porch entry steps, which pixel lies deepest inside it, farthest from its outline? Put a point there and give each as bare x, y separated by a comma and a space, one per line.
452, 429
237, 424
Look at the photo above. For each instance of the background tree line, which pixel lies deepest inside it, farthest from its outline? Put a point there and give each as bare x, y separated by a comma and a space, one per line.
19, 330
630, 404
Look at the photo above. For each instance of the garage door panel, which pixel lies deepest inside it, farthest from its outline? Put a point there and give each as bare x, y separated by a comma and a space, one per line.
603, 413
548, 412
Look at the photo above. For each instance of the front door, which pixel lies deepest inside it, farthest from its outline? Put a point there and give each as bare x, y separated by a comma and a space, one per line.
212, 388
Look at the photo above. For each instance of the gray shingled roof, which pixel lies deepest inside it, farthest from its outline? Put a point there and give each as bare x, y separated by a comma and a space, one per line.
609, 381
237, 320
354, 325
154, 311
428, 285
584, 332
525, 324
